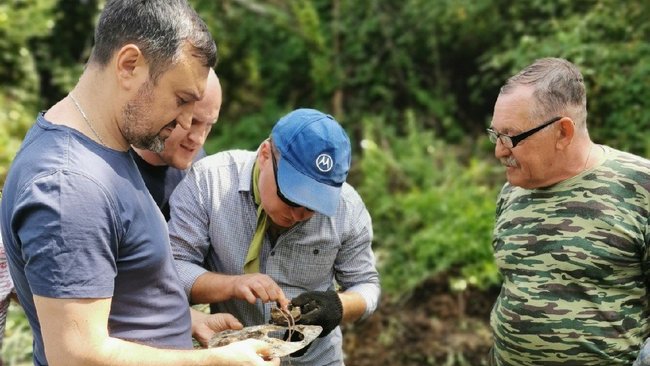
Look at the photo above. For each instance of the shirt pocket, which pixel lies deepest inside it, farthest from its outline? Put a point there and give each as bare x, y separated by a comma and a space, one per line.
313, 267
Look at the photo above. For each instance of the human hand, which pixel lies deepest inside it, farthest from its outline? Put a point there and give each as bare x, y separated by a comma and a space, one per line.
322, 308
253, 286
205, 326
247, 352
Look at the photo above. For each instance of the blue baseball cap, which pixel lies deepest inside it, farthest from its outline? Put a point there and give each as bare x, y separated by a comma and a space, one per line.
315, 157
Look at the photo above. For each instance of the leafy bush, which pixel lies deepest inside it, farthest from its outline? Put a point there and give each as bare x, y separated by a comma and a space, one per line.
19, 23
246, 133
17, 344
609, 44
431, 210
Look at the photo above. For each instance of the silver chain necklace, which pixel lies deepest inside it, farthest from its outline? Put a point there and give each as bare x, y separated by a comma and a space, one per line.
76, 104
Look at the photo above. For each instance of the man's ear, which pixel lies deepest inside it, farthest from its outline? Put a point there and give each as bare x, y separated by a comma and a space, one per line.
265, 151
565, 133
131, 68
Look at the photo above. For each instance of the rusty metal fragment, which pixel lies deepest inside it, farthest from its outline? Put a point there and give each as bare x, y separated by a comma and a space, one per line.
271, 334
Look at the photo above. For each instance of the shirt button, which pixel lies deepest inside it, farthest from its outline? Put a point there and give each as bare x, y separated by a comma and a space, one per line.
272, 253
315, 251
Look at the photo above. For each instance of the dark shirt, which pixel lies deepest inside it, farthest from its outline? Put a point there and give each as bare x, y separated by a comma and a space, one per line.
161, 180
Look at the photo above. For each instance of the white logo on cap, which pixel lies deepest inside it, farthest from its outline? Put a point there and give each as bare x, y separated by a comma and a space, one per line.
324, 163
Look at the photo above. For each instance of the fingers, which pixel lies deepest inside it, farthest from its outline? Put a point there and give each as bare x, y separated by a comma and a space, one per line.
263, 290
230, 322
308, 318
203, 336
283, 303
220, 322
310, 304
274, 362
248, 295
263, 350
250, 351
306, 305
251, 287
300, 300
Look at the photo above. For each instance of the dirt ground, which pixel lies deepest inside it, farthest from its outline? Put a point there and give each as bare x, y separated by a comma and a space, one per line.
434, 326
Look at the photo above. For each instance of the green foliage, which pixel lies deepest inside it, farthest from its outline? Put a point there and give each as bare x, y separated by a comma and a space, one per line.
246, 133
608, 42
444, 60
17, 343
431, 211
20, 21
62, 52
41, 59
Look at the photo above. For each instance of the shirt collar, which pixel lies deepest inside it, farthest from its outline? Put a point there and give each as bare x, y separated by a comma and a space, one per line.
246, 173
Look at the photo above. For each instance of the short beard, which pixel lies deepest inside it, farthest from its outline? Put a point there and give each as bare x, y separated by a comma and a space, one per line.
134, 112
153, 143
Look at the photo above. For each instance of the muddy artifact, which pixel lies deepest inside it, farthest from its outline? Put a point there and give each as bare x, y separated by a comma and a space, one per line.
284, 317
271, 334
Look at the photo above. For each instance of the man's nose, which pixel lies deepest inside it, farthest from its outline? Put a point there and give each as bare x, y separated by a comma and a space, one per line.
198, 134
185, 118
500, 150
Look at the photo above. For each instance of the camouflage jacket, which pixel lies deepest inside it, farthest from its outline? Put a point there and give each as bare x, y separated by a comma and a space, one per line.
575, 264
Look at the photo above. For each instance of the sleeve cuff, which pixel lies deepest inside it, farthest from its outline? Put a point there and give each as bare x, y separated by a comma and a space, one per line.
370, 293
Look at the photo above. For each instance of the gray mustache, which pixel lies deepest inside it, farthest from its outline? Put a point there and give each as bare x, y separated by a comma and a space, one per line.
509, 161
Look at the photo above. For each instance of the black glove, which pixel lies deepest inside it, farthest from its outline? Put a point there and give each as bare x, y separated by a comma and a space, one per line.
322, 308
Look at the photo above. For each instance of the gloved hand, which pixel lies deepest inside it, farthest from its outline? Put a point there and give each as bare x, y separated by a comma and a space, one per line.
322, 308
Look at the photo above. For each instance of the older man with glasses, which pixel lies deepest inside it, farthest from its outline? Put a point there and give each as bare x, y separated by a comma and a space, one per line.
249, 229
572, 232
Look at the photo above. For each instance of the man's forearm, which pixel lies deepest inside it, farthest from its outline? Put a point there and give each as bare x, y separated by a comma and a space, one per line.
212, 287
354, 306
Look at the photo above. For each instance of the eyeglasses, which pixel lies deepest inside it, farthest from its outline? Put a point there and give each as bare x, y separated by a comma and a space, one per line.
277, 185
512, 141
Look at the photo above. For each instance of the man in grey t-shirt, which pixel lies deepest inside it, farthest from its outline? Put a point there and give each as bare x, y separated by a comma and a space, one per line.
87, 247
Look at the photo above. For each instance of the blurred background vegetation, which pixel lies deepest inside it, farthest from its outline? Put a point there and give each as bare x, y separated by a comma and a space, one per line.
412, 81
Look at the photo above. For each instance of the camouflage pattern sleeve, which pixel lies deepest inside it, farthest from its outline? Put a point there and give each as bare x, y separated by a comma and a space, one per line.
574, 261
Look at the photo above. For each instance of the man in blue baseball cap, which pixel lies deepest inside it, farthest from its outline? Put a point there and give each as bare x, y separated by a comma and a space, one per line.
285, 211
315, 160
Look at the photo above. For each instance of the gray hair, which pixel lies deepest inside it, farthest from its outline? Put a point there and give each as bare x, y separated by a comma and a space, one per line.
159, 28
558, 89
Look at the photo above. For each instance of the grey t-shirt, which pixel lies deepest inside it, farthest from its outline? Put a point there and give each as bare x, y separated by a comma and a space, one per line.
78, 222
